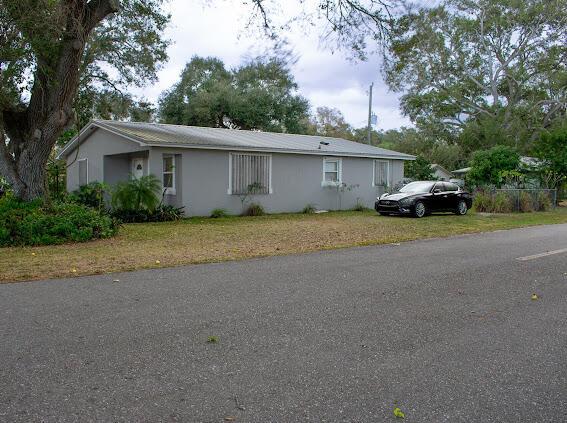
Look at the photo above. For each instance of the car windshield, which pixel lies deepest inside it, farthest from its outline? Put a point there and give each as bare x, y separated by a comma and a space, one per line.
418, 187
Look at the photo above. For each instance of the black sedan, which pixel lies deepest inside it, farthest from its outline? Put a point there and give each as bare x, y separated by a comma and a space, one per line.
423, 197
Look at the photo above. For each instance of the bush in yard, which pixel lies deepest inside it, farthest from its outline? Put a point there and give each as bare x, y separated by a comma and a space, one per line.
217, 213
526, 202
308, 209
483, 202
162, 213
35, 223
137, 194
91, 195
254, 209
137, 201
502, 203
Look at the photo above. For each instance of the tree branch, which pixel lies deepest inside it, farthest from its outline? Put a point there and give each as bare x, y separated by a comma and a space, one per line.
97, 10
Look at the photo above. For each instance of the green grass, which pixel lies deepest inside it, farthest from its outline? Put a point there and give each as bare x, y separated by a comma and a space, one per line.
202, 240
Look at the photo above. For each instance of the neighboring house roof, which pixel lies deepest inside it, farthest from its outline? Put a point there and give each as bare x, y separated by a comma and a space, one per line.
461, 171
436, 166
164, 135
530, 161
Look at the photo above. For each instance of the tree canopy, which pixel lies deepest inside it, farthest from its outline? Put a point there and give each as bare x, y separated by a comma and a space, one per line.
258, 95
493, 71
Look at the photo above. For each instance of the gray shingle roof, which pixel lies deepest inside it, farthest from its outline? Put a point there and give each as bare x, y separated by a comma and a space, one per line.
155, 134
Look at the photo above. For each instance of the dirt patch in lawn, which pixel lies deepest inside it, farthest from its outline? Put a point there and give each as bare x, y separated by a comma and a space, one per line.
202, 240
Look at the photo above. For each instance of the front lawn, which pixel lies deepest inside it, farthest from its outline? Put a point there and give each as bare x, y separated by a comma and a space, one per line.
201, 240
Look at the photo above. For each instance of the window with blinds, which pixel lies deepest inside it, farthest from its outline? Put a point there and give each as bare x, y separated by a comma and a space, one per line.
381, 173
250, 173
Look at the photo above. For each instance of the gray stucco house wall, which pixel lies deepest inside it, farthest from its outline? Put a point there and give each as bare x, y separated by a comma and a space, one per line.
204, 160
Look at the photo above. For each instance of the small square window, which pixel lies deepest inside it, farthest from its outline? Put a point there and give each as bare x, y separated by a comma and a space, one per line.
331, 171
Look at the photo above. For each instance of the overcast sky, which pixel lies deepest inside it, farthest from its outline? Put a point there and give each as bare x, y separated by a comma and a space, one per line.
325, 78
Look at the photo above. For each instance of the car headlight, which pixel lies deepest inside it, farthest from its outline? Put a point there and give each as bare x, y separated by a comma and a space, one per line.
405, 202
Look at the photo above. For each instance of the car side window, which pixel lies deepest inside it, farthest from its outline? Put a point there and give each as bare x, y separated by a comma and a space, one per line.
451, 187
439, 186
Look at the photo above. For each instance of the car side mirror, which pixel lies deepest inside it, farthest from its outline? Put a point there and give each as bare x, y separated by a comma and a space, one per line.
436, 191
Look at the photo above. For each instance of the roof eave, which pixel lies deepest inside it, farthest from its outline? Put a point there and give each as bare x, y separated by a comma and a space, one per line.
281, 150
85, 132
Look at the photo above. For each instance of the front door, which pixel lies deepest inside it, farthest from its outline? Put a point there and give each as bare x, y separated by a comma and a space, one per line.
138, 168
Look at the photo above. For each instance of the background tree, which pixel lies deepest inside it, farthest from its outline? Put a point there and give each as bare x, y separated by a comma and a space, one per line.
48, 48
491, 70
551, 149
330, 122
259, 95
487, 166
418, 169
420, 142
361, 135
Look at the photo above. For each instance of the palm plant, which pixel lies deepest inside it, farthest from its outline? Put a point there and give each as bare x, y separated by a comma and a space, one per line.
137, 194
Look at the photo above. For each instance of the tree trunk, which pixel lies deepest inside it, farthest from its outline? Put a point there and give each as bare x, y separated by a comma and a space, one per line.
32, 131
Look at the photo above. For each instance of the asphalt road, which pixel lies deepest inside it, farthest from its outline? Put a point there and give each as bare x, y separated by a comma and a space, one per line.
445, 329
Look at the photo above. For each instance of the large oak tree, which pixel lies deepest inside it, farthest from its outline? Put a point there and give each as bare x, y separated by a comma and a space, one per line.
48, 49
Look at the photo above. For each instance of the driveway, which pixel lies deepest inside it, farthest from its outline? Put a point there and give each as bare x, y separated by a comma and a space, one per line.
444, 329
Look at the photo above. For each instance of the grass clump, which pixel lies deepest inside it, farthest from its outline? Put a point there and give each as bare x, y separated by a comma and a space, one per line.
359, 207
483, 202
218, 213
309, 209
543, 201
502, 203
254, 209
526, 202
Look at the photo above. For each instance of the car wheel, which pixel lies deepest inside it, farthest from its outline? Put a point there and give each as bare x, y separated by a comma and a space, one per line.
462, 208
419, 210
384, 214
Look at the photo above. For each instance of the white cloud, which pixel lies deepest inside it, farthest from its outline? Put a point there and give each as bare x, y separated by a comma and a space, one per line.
325, 78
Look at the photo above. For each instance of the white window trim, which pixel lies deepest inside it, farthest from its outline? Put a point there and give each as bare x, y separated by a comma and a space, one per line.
87, 164
169, 191
374, 172
269, 156
339, 161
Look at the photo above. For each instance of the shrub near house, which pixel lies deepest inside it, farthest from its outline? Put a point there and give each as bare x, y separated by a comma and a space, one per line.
36, 223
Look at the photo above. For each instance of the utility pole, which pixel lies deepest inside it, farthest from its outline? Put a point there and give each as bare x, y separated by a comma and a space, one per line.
370, 115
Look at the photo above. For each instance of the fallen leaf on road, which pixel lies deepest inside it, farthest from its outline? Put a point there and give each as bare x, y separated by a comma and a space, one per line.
399, 413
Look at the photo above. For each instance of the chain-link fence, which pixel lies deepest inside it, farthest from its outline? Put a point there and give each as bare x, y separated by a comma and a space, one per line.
526, 200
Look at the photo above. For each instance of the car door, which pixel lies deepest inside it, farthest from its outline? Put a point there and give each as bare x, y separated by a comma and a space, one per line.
437, 201
452, 196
